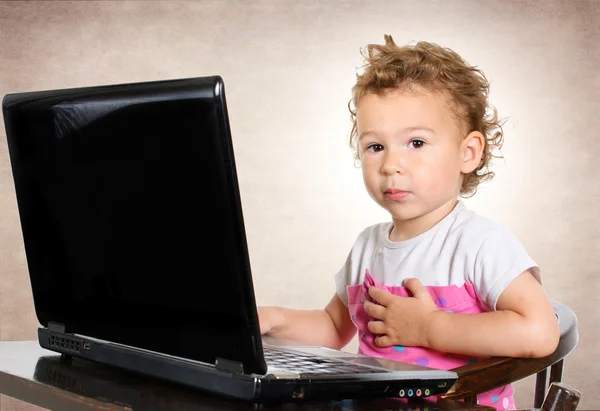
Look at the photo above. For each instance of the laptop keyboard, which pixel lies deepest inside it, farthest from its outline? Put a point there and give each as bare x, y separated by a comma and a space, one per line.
310, 365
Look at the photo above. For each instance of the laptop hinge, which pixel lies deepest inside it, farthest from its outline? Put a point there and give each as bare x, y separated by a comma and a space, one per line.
229, 366
56, 327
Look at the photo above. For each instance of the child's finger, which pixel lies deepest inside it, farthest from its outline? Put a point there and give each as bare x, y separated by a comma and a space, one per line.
380, 296
383, 341
376, 327
417, 288
374, 310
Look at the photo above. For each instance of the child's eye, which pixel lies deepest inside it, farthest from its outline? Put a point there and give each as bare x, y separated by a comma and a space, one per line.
416, 143
374, 148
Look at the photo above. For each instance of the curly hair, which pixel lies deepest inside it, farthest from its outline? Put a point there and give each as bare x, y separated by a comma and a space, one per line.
439, 69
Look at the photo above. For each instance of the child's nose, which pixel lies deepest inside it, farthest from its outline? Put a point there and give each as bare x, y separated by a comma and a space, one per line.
392, 164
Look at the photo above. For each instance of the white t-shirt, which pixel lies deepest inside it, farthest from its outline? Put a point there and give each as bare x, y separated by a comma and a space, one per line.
463, 247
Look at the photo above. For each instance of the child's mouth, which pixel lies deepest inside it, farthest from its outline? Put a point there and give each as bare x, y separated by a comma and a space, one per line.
396, 195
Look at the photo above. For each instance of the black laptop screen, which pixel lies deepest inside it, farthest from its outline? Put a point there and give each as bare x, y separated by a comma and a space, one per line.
131, 215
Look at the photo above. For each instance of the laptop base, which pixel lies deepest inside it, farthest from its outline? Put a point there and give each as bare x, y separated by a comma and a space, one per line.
252, 388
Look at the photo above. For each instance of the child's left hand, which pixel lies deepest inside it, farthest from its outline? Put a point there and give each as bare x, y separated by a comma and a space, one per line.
401, 320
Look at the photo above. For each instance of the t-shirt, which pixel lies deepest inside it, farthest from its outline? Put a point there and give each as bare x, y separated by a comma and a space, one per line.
463, 247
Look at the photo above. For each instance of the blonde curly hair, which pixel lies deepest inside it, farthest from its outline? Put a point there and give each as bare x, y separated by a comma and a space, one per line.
439, 69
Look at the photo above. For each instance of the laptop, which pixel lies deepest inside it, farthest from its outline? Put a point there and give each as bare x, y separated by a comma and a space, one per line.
136, 249
84, 378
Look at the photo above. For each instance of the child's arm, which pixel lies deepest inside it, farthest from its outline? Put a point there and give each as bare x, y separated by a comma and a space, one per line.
523, 325
331, 327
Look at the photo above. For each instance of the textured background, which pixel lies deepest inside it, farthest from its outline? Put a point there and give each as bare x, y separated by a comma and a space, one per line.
288, 68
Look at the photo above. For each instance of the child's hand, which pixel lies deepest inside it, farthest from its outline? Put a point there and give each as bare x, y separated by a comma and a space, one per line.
265, 319
401, 320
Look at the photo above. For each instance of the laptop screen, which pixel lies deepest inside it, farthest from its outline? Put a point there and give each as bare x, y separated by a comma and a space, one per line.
131, 216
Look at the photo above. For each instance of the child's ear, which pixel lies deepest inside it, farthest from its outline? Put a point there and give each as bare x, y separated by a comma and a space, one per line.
472, 151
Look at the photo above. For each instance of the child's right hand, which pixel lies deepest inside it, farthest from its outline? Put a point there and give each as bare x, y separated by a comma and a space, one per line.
265, 319
331, 327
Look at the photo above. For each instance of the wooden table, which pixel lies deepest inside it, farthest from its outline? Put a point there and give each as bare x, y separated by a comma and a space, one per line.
38, 376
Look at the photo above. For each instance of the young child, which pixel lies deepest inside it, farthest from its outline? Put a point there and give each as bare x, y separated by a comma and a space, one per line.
424, 134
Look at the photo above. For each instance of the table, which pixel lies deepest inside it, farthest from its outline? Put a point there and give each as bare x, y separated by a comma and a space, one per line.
38, 376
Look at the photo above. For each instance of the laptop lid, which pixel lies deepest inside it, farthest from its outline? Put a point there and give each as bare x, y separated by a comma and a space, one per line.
131, 217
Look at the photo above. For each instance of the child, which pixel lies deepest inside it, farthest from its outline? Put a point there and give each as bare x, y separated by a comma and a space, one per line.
424, 135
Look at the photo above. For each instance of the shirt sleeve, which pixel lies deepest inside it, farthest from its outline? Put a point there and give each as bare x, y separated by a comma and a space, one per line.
499, 260
352, 272
343, 278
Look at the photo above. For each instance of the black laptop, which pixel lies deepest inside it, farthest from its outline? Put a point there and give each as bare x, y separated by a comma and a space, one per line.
136, 248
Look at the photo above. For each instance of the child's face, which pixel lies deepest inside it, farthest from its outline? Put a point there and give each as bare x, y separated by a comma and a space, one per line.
410, 151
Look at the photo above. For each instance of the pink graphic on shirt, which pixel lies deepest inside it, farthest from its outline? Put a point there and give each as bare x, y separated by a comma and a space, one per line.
459, 299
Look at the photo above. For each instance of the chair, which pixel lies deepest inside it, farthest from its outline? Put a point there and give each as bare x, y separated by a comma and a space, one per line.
498, 371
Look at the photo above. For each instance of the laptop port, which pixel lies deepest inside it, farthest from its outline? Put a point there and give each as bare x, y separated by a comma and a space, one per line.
298, 393
65, 343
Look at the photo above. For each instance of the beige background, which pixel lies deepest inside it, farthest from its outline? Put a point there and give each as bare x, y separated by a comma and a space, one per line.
288, 68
